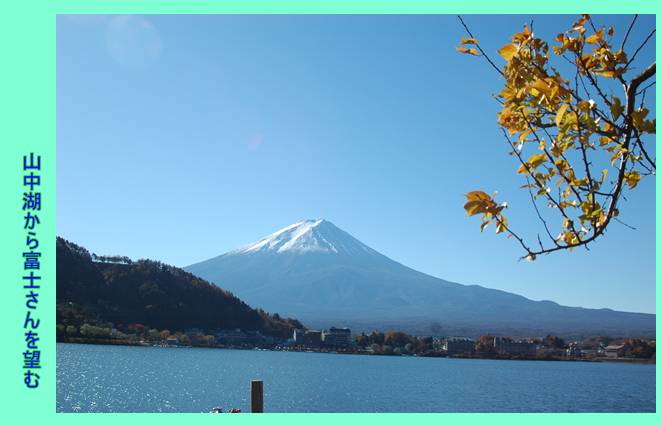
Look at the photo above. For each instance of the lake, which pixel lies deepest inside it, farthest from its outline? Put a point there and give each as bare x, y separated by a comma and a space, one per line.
94, 378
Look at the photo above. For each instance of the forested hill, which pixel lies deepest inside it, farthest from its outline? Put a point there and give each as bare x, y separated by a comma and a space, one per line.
103, 290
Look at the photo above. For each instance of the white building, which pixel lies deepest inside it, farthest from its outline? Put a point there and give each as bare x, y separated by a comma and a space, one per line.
334, 336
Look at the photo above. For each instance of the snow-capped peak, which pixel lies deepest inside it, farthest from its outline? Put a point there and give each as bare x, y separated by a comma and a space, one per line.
311, 235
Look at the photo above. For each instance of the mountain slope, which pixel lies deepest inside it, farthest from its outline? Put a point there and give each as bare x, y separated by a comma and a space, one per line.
322, 275
149, 293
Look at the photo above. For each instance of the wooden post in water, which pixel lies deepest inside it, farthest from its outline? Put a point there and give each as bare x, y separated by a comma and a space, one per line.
257, 396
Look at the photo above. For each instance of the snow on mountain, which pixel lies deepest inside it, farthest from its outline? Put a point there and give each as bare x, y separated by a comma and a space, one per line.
320, 274
312, 235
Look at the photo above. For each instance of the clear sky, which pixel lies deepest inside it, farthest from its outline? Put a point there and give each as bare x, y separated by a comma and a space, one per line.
182, 137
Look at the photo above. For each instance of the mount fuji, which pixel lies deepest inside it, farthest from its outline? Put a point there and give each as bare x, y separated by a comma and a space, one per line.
320, 274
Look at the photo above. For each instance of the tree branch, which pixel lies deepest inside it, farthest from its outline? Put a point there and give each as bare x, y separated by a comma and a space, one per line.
478, 46
627, 33
639, 48
623, 137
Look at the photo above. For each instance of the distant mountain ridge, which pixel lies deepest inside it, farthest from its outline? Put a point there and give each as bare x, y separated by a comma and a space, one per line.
322, 275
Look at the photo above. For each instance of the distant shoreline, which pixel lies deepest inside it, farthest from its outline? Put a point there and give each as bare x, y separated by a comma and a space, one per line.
110, 342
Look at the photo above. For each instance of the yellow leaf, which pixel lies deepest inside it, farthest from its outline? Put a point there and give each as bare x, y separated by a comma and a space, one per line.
595, 37
534, 161
649, 126
501, 225
537, 159
469, 40
632, 178
616, 107
569, 238
559, 114
544, 86
638, 117
608, 73
477, 195
470, 51
475, 207
508, 51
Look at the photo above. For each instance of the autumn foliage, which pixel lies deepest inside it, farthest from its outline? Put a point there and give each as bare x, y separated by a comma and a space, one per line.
577, 143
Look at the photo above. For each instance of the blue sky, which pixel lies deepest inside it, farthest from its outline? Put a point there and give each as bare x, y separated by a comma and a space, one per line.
182, 137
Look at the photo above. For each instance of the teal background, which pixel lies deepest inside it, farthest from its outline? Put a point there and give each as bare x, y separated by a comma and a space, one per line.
27, 124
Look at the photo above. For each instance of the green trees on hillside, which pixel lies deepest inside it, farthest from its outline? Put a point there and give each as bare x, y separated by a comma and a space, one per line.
91, 294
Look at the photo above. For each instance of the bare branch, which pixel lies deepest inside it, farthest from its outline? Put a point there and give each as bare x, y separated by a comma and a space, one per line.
590, 21
638, 80
625, 224
627, 65
479, 48
645, 88
627, 33
514, 235
535, 206
643, 150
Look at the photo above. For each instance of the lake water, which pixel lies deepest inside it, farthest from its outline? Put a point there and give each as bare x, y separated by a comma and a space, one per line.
92, 378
